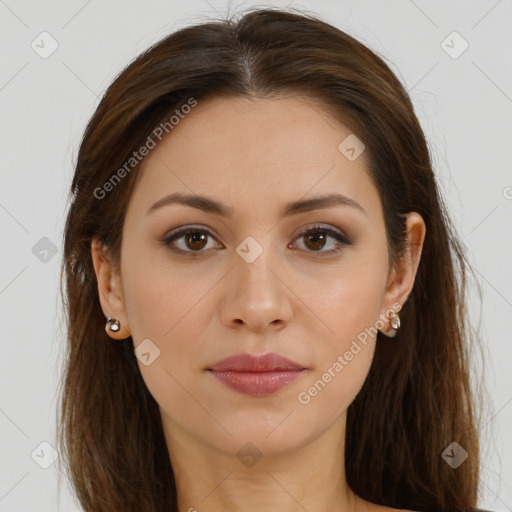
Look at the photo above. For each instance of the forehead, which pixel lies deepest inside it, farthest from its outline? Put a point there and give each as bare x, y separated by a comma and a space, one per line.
256, 151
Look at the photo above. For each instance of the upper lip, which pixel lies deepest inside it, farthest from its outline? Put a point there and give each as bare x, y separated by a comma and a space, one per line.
256, 363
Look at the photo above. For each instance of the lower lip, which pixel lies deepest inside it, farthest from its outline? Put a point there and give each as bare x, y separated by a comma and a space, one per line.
256, 383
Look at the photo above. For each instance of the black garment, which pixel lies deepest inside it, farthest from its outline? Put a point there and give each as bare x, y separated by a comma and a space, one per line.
472, 510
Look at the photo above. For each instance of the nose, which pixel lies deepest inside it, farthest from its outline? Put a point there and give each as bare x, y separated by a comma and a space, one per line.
256, 296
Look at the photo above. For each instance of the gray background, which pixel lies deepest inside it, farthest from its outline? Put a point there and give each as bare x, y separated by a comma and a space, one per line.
464, 105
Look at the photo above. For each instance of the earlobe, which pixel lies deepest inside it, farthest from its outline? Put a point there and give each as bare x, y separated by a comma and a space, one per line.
109, 291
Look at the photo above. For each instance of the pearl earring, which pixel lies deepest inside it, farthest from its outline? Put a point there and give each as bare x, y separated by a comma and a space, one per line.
395, 325
114, 326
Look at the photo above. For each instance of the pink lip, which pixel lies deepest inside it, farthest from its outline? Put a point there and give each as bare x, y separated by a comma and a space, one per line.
256, 375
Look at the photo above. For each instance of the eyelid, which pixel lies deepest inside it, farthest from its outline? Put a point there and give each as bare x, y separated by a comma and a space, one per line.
335, 232
178, 233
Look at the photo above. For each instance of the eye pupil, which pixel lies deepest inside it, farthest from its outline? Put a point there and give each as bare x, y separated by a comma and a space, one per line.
315, 237
197, 238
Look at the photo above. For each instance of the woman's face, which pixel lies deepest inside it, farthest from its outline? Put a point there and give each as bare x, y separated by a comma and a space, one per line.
249, 280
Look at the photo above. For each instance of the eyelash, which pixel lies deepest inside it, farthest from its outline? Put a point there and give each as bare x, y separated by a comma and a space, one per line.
167, 241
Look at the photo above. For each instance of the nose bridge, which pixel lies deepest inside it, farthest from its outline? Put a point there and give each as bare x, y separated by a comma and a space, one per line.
254, 263
257, 297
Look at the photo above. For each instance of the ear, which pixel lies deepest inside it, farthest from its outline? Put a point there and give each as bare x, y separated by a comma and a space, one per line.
109, 290
402, 277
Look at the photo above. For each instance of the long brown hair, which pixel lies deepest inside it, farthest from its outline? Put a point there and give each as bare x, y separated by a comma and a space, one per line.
416, 399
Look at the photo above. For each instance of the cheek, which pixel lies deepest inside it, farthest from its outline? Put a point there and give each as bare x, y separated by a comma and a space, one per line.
349, 306
161, 296
343, 357
170, 321
325, 398
165, 306
347, 303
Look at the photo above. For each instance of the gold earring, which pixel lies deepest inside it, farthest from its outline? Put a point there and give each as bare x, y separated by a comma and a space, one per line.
395, 325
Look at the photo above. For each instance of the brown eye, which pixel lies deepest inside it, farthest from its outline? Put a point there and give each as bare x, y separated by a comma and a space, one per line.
317, 237
193, 241
315, 240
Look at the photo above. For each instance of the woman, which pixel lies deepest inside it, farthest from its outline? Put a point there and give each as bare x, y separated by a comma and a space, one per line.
256, 222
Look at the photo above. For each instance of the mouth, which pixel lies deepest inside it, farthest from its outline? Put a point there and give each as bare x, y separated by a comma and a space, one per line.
257, 383
257, 375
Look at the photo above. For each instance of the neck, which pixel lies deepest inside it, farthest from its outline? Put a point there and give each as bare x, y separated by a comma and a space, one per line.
259, 476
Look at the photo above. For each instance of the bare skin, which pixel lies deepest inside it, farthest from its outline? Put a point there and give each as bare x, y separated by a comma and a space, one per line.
298, 298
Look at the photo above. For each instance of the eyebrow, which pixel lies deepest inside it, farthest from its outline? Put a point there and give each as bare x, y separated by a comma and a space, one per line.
209, 205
